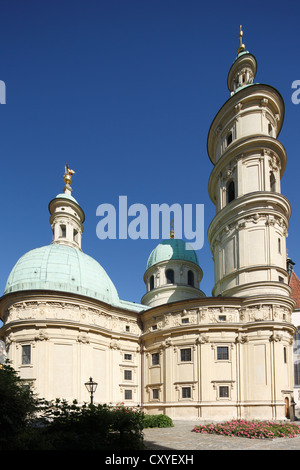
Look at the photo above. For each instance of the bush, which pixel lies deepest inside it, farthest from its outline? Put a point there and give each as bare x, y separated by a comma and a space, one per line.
251, 429
90, 427
157, 421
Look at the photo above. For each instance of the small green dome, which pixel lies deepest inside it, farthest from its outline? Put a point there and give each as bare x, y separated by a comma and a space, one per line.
66, 196
174, 248
62, 268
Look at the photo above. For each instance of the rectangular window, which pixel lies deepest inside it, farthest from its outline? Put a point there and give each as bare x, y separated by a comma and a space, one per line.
186, 392
128, 357
222, 353
185, 320
155, 359
26, 354
222, 317
155, 393
186, 355
127, 374
224, 391
127, 328
128, 395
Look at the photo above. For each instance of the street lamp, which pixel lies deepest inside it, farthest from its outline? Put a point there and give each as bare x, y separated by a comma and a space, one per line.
91, 388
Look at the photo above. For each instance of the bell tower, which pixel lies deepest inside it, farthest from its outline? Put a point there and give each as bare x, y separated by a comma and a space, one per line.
248, 233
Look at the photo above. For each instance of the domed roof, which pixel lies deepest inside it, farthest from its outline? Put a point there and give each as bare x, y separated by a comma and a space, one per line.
66, 196
62, 268
174, 248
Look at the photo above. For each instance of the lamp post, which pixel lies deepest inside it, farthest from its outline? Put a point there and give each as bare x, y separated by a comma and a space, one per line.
91, 388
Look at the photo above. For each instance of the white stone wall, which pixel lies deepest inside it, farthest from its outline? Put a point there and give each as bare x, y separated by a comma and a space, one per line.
251, 379
70, 341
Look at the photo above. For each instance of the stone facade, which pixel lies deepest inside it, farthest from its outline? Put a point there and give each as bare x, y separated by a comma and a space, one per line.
207, 358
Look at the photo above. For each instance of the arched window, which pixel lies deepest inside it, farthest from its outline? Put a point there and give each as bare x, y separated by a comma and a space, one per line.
228, 139
191, 278
152, 282
62, 231
270, 129
170, 276
230, 192
272, 182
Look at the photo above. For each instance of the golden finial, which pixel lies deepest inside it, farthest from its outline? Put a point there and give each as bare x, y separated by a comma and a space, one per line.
172, 233
242, 46
68, 175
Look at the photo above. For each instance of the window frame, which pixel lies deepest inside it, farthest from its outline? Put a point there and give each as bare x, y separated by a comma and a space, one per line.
126, 392
224, 387
220, 353
128, 372
168, 280
230, 191
229, 138
24, 362
62, 231
156, 356
191, 278
185, 351
186, 392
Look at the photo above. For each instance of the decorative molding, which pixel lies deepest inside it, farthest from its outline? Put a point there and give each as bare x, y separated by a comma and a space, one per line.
42, 336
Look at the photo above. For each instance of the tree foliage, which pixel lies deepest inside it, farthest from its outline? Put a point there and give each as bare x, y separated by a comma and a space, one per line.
18, 406
28, 423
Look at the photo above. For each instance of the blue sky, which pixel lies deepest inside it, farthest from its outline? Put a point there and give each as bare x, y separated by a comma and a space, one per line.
125, 92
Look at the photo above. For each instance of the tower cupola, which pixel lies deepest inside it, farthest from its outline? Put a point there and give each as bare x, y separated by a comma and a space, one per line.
243, 69
66, 217
172, 273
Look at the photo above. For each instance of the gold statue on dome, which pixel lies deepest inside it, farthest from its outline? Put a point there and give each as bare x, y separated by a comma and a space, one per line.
242, 46
68, 175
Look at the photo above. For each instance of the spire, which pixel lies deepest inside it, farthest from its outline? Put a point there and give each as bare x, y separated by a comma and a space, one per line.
242, 46
243, 70
68, 179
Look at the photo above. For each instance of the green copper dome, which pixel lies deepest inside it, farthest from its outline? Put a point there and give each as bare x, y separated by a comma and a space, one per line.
62, 268
174, 248
66, 196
